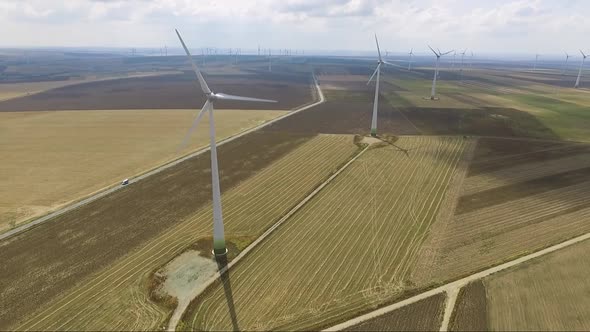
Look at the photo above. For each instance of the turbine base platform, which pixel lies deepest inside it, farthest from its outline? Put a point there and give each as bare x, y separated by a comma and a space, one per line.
219, 253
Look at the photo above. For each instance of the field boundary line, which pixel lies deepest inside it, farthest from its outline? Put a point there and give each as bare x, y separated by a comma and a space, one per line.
455, 285
180, 309
112, 188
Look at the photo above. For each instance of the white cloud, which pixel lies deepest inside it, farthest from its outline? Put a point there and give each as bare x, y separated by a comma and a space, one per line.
521, 25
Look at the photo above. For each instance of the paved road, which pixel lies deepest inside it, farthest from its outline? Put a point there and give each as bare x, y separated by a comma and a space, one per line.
456, 285
108, 191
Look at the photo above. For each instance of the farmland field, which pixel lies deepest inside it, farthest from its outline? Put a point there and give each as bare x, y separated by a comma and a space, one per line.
514, 203
177, 91
58, 157
116, 296
470, 312
548, 293
424, 315
14, 90
348, 250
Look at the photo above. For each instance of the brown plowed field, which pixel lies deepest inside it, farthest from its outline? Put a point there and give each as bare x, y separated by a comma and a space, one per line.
40, 264
424, 315
177, 91
486, 121
470, 313
523, 212
347, 117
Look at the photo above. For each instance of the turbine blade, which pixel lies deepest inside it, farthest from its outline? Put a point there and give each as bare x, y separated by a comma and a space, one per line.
194, 125
584, 55
447, 52
202, 82
433, 51
375, 72
391, 64
223, 96
378, 50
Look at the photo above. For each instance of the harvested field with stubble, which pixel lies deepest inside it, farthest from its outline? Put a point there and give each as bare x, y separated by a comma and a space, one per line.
177, 91
348, 250
424, 315
470, 312
508, 208
148, 223
59, 157
549, 293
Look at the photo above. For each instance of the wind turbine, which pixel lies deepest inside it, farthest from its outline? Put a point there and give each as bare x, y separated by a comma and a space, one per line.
567, 56
584, 56
438, 55
454, 59
461, 68
410, 62
536, 59
269, 61
376, 101
219, 248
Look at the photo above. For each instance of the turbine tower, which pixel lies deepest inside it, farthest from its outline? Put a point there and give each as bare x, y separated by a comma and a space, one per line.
410, 62
536, 60
462, 58
376, 101
567, 56
580, 72
438, 54
218, 232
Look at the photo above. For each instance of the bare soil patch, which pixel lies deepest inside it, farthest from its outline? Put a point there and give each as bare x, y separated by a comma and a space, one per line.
347, 117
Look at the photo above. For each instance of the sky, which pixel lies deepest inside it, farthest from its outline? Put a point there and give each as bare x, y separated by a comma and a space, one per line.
503, 26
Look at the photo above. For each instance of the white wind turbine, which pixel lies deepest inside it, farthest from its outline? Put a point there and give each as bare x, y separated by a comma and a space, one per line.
584, 56
269, 61
567, 57
462, 58
376, 101
438, 55
410, 62
218, 232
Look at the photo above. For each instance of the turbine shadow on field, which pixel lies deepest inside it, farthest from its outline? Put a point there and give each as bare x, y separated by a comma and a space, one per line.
226, 280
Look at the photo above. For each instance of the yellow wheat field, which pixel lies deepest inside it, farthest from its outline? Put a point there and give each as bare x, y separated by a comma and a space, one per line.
350, 248
52, 158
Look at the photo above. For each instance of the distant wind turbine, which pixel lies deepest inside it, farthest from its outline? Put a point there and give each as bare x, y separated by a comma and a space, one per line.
584, 56
218, 232
462, 58
376, 100
536, 60
410, 62
567, 56
438, 55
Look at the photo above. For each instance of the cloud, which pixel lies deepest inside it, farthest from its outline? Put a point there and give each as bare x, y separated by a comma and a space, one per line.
530, 25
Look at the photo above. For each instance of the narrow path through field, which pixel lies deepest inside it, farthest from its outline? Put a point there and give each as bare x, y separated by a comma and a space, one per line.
456, 285
449, 305
35, 222
177, 315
